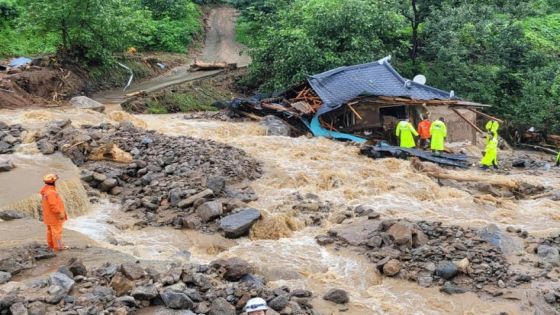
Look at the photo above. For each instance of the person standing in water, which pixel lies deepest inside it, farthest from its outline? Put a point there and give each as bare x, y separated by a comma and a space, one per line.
438, 130
54, 214
406, 132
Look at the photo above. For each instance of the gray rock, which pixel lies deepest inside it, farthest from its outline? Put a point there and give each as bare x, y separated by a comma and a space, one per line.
5, 148
170, 169
62, 280
5, 277
446, 270
56, 293
83, 102
107, 270
191, 199
37, 308
450, 288
550, 298
275, 126
239, 224
132, 271
216, 184
9, 139
278, 303
126, 300
176, 300
221, 306
108, 184
549, 254
6, 166
8, 215
175, 196
146, 292
45, 146
234, 268
301, 293
210, 210
18, 309
337, 296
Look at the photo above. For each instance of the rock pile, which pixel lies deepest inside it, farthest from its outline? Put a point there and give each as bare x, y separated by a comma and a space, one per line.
221, 288
10, 136
179, 181
429, 253
15, 260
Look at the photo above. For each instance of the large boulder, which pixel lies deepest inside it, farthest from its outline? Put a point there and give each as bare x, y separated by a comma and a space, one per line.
337, 296
221, 306
239, 224
549, 254
401, 233
210, 210
83, 102
275, 126
6, 166
8, 215
176, 300
45, 146
446, 270
62, 280
132, 271
234, 268
146, 292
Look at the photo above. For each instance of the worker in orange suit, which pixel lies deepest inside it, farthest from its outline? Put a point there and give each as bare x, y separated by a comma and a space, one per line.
424, 131
54, 214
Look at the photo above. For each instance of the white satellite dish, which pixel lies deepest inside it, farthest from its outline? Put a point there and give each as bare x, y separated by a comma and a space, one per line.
420, 79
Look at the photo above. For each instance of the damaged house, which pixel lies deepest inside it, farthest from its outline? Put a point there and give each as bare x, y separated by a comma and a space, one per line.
366, 101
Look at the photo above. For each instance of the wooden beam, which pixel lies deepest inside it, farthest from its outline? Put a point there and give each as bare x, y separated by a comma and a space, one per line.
485, 115
468, 121
354, 111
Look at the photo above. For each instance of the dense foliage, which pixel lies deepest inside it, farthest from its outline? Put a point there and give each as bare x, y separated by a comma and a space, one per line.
92, 30
501, 52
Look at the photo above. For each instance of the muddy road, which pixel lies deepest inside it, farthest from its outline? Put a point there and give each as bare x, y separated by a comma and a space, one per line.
219, 45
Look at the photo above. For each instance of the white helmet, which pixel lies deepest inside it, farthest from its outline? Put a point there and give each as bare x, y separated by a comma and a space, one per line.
255, 304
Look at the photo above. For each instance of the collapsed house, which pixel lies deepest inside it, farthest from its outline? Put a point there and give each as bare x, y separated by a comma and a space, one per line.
365, 102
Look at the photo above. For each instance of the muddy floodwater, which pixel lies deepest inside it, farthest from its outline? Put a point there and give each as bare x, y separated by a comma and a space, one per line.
331, 170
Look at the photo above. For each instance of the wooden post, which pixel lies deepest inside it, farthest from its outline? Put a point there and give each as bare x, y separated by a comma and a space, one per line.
468, 121
485, 115
354, 111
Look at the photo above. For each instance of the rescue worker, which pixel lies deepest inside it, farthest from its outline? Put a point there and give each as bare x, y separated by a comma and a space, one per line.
491, 153
558, 159
492, 127
438, 130
424, 132
54, 214
256, 306
406, 132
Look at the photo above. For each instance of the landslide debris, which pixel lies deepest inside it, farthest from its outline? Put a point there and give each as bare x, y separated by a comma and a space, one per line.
163, 180
222, 287
455, 258
10, 137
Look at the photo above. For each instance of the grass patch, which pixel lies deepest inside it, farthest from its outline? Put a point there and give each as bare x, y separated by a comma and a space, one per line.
174, 102
155, 108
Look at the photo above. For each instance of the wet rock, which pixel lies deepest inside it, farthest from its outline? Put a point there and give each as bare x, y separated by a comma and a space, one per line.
8, 215
132, 271
45, 147
37, 308
55, 294
5, 148
62, 280
401, 233
190, 200
324, 240
337, 296
234, 268
275, 126
121, 284
239, 223
84, 102
6, 166
549, 254
108, 184
145, 292
221, 306
5, 277
176, 300
18, 309
450, 288
446, 270
216, 184
126, 300
392, 268
210, 210
279, 303
66, 271
425, 279
107, 270
301, 293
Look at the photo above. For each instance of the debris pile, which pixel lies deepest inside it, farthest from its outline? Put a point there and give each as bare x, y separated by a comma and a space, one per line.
15, 260
383, 150
10, 136
429, 253
179, 181
223, 287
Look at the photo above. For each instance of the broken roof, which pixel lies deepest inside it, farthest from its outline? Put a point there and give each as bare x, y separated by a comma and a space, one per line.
340, 85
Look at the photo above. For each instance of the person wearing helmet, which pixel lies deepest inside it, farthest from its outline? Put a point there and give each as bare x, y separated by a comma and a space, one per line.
256, 306
54, 214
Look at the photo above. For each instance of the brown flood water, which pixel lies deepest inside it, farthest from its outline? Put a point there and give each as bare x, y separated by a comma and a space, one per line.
336, 173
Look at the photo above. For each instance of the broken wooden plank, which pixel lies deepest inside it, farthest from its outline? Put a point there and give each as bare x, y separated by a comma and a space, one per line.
485, 115
354, 111
468, 121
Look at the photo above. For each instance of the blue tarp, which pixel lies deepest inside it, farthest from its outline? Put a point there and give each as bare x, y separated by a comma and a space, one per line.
19, 62
318, 131
340, 85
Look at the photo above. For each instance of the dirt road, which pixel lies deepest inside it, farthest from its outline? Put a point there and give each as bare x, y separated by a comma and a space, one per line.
219, 45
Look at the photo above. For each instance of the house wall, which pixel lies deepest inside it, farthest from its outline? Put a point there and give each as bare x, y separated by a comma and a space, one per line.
457, 128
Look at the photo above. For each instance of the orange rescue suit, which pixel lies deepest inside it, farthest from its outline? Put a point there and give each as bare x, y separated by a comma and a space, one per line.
54, 216
424, 129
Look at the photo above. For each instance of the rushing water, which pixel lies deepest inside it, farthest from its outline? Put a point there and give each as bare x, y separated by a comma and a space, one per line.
336, 173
